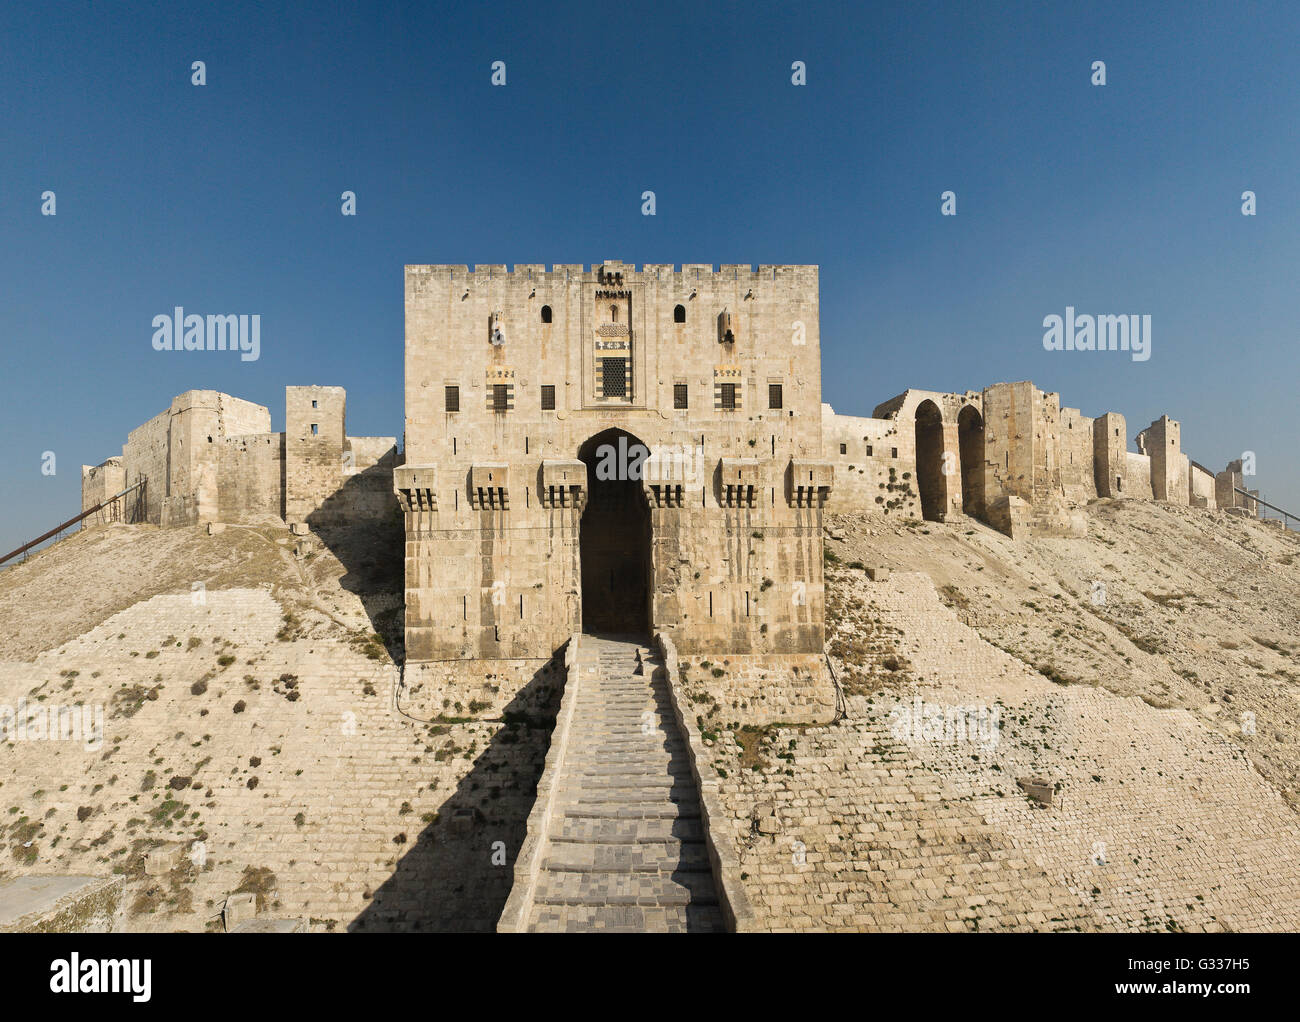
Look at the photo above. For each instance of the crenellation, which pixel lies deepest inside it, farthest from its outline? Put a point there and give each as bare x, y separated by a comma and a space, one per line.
211, 457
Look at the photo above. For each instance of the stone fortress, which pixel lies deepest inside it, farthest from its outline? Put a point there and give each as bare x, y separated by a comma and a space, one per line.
609, 475
531, 514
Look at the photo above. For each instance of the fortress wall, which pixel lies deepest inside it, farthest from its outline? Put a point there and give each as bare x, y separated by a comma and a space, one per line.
146, 455
313, 448
98, 483
1200, 486
1162, 441
933, 453
365, 489
1109, 433
250, 470
1076, 456
875, 464
1010, 426
1226, 484
1137, 475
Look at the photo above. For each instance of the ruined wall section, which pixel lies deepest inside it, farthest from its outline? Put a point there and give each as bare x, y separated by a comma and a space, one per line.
937, 468
98, 483
875, 464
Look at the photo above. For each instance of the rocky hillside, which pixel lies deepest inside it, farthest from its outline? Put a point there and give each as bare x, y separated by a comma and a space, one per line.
248, 731
1181, 607
255, 735
1067, 734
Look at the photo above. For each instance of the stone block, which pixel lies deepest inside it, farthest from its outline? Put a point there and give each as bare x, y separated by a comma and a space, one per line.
239, 908
1037, 788
878, 574
163, 860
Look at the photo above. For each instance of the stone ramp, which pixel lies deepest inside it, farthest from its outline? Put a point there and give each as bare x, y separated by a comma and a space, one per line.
625, 848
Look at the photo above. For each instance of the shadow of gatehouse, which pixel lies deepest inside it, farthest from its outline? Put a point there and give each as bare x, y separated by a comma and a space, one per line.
458, 873
362, 525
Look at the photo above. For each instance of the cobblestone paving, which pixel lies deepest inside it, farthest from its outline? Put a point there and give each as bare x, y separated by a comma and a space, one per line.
626, 850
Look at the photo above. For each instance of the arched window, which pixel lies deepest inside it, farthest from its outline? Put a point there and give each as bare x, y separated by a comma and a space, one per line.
679, 314
546, 313
613, 313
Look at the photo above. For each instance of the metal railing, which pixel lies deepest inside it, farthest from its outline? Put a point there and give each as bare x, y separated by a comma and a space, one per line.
1286, 515
72, 521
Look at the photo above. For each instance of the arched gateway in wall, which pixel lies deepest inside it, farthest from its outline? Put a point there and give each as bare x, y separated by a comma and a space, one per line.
615, 537
930, 479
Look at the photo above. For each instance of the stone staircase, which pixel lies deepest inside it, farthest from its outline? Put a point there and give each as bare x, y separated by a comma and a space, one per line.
625, 850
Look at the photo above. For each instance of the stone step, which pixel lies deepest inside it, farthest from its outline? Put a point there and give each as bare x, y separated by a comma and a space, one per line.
625, 830
643, 857
600, 810
626, 919
645, 889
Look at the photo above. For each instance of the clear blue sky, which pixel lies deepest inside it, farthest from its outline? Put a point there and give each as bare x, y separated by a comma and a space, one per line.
225, 198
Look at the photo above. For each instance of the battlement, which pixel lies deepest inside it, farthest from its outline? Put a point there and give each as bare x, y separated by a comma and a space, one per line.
596, 272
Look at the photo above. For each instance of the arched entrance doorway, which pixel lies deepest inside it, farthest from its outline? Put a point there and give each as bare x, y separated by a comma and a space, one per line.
614, 537
930, 480
970, 443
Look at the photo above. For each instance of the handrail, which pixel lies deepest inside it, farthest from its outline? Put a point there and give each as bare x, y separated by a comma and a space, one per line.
71, 521
1259, 500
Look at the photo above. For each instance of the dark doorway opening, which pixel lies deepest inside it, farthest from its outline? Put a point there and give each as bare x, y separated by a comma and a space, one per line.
614, 538
929, 461
970, 443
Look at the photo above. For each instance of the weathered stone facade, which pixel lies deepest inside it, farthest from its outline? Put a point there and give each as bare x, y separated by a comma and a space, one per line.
1009, 455
213, 458
529, 394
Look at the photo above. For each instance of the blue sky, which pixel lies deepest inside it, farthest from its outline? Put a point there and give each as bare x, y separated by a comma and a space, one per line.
1124, 198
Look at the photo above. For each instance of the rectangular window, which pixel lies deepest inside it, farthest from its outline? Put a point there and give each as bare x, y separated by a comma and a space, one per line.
453, 399
613, 375
548, 397
500, 397
315, 429
315, 404
774, 395
893, 452
868, 450
844, 448
680, 396
728, 395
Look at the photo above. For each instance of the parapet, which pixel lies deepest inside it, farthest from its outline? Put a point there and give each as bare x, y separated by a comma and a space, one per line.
808, 483
416, 487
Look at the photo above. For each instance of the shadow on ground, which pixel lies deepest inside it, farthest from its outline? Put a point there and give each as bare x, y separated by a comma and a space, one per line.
362, 526
456, 877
